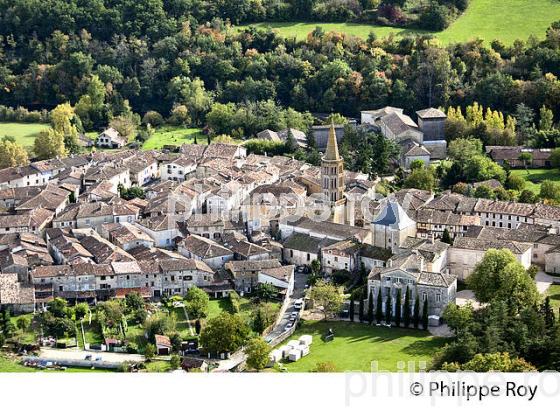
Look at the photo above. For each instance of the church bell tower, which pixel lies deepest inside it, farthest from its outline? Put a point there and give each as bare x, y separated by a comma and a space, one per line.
332, 174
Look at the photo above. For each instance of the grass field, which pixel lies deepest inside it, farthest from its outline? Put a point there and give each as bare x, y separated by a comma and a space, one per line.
506, 20
301, 30
173, 136
356, 345
554, 293
534, 177
24, 133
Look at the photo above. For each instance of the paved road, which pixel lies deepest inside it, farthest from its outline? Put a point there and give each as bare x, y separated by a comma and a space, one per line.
543, 281
300, 281
109, 357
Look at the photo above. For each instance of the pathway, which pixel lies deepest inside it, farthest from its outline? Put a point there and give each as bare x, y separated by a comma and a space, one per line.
191, 330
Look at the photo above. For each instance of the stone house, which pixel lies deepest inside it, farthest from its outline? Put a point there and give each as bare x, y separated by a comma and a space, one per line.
110, 138
15, 296
431, 122
432, 223
162, 229
23, 176
32, 221
467, 252
302, 249
245, 274
407, 271
178, 169
206, 250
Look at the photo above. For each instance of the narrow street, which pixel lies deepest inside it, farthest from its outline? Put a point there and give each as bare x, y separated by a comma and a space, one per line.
299, 290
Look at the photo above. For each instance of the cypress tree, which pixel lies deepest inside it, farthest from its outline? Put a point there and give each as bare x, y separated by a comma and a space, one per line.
351, 310
379, 310
548, 314
446, 237
425, 315
416, 311
361, 309
406, 316
370, 308
398, 308
388, 309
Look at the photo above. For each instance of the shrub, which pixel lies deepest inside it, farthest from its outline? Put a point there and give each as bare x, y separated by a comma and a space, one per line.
150, 351
152, 118
515, 182
175, 362
435, 17
235, 301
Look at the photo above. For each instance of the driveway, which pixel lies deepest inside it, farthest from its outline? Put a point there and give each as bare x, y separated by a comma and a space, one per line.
544, 281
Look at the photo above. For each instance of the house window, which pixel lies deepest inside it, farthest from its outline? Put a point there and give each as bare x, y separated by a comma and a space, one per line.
438, 297
308, 257
424, 296
291, 254
188, 277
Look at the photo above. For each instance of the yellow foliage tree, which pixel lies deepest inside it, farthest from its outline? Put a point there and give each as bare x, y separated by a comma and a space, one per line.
63, 121
12, 154
49, 144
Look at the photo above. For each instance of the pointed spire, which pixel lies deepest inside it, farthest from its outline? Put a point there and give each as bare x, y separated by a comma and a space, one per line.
332, 146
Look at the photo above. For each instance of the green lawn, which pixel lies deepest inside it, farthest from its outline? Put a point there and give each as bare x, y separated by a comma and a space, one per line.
554, 293
168, 135
356, 345
506, 20
158, 366
534, 177
300, 30
183, 327
24, 133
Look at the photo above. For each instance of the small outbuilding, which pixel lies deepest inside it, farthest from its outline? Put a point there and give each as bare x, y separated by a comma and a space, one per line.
163, 345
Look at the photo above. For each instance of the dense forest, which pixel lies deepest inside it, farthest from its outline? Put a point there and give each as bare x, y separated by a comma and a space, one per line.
161, 54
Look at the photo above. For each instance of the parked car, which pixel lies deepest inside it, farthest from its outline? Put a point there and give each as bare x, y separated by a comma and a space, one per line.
294, 315
289, 325
300, 269
88, 357
298, 304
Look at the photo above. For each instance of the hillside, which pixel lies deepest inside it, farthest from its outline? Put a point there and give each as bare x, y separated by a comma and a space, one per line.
506, 20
